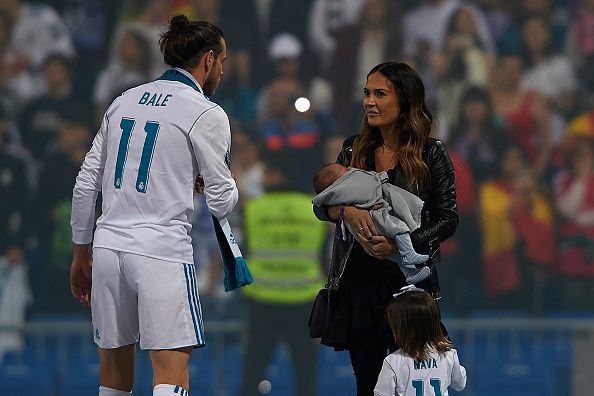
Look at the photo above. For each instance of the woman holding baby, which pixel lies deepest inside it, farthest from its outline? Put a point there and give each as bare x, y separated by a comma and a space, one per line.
395, 138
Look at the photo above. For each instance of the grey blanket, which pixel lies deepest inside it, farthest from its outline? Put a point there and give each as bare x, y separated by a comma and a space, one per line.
400, 211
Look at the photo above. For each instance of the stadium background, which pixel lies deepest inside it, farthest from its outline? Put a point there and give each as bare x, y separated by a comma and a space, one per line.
511, 83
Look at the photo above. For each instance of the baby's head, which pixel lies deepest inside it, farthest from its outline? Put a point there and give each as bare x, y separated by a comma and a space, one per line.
327, 175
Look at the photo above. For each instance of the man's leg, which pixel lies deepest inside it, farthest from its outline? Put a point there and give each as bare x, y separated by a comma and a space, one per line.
116, 370
115, 323
170, 371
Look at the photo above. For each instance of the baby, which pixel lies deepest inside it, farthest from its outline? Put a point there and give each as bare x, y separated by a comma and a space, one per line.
400, 211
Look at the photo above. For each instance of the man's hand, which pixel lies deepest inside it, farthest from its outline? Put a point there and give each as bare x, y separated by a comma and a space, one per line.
199, 185
80, 273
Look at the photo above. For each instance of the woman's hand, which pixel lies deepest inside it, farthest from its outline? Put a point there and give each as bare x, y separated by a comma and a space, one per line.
378, 246
360, 220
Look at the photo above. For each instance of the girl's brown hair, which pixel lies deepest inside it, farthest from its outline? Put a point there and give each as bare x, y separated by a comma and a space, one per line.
415, 322
414, 125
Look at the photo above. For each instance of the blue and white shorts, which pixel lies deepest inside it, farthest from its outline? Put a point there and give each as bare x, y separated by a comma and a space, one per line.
136, 298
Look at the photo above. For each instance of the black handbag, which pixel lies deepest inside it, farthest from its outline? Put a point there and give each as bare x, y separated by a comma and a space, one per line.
321, 312
319, 319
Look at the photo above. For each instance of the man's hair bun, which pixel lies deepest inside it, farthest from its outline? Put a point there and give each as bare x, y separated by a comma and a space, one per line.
180, 22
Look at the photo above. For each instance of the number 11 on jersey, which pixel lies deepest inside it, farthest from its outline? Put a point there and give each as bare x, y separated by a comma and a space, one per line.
152, 130
435, 383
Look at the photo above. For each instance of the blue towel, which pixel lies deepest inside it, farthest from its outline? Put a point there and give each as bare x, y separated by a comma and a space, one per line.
237, 273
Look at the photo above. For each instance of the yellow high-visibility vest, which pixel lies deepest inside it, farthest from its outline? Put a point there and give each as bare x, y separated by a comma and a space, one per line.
284, 241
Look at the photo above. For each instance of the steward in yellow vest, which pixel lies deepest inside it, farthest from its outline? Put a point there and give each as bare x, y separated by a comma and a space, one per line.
284, 242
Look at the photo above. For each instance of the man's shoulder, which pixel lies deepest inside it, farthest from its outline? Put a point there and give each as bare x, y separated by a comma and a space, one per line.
212, 112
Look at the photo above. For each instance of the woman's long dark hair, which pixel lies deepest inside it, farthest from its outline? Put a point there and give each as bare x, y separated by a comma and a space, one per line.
415, 322
414, 125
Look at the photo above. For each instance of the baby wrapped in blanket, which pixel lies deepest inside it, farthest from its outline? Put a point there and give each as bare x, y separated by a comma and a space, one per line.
399, 214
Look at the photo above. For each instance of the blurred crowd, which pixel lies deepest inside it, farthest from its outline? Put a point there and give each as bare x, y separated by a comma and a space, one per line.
511, 83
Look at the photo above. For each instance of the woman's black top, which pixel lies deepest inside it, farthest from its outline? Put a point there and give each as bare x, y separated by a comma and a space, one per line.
368, 284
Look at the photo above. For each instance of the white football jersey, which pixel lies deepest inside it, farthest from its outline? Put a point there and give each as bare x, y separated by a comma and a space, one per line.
153, 142
403, 376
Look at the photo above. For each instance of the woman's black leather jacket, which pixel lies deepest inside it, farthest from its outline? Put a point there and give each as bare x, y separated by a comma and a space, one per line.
439, 215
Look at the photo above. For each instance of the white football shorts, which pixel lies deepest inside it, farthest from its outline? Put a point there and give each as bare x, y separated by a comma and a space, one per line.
138, 298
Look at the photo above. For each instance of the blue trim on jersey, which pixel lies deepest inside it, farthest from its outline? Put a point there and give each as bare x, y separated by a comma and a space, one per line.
190, 302
198, 306
176, 389
176, 75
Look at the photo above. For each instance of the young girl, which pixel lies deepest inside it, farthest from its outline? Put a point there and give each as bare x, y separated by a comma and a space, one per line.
426, 364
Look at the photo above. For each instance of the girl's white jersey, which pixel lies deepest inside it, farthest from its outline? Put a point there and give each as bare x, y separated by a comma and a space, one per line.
403, 376
153, 142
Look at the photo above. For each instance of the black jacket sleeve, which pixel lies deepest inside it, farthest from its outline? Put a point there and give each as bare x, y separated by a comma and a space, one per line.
440, 218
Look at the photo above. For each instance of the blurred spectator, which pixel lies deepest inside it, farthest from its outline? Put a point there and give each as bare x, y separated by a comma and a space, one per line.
580, 45
129, 66
574, 191
58, 174
499, 15
461, 259
290, 16
286, 54
548, 73
151, 22
37, 31
372, 40
518, 240
14, 205
478, 136
426, 25
16, 83
247, 166
425, 31
526, 113
557, 17
237, 95
39, 120
267, 19
327, 17
295, 139
462, 60
91, 24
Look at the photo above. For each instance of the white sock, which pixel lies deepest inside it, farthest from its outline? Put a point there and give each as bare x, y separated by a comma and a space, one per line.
169, 390
105, 391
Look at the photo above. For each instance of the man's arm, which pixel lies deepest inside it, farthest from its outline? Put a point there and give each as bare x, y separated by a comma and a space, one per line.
211, 140
86, 189
84, 197
80, 273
